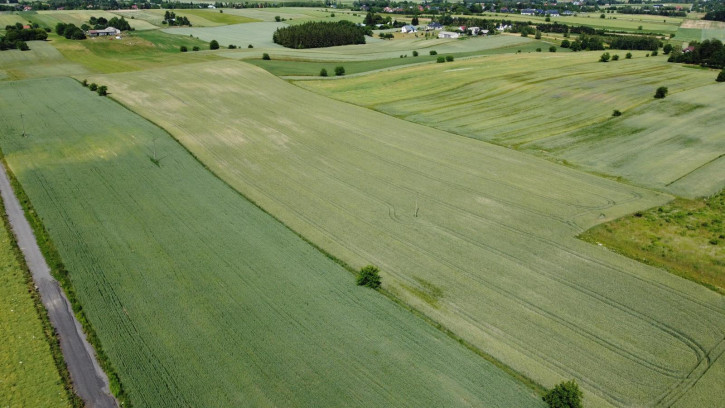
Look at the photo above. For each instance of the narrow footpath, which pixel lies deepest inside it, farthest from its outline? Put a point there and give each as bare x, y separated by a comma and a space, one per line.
89, 381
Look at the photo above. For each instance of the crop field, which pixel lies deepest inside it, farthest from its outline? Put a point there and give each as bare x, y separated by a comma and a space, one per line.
376, 49
199, 297
295, 15
197, 17
28, 376
43, 60
256, 34
295, 68
135, 51
476, 236
50, 18
667, 144
8, 18
535, 101
615, 22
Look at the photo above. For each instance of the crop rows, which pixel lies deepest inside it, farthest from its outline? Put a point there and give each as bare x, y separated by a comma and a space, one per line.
478, 237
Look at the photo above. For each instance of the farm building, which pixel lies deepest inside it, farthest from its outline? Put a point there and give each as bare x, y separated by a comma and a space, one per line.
448, 34
528, 12
434, 26
552, 13
105, 32
408, 29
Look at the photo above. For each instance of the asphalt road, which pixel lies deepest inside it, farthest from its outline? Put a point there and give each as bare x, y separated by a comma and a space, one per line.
89, 381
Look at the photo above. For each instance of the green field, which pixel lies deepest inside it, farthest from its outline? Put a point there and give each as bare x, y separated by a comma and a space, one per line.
200, 298
43, 60
295, 68
135, 51
614, 22
49, 18
28, 375
534, 102
686, 236
376, 49
480, 238
197, 17
257, 34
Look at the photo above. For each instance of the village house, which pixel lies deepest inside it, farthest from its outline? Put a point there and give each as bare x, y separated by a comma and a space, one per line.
434, 26
448, 34
105, 32
408, 29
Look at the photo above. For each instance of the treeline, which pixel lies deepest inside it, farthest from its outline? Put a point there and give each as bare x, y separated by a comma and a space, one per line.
70, 31
16, 36
668, 11
631, 42
100, 23
316, 34
709, 53
563, 29
715, 15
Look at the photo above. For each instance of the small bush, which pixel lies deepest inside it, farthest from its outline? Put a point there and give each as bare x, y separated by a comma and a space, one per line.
277, 18
93, 86
183, 48
102, 90
440, 60
552, 48
661, 92
667, 48
265, 57
214, 45
615, 57
564, 395
565, 44
369, 276
433, 52
339, 71
721, 76
628, 56
232, 47
415, 53
323, 72
616, 113
196, 48
654, 53
537, 35
449, 58
84, 83
538, 50
250, 46
604, 58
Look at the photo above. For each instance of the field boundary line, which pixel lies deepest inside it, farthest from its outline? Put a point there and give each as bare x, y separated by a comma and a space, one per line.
520, 377
89, 380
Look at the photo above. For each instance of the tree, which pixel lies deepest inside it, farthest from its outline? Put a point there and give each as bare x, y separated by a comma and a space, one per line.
369, 276
616, 113
441, 59
564, 395
604, 57
196, 48
449, 58
537, 35
414, 21
93, 86
721, 76
85, 83
183, 48
102, 90
415, 53
339, 71
552, 48
654, 53
565, 44
661, 92
265, 57
323, 72
628, 56
214, 45
667, 48
615, 57
433, 52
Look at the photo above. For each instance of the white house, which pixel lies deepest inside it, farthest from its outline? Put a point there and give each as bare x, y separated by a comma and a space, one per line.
408, 29
434, 26
448, 34
106, 31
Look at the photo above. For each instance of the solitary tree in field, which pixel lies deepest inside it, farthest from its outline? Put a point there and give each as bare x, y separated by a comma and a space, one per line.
265, 57
340, 71
628, 56
414, 21
667, 48
369, 276
323, 72
93, 86
721, 76
604, 58
102, 90
214, 45
661, 92
564, 395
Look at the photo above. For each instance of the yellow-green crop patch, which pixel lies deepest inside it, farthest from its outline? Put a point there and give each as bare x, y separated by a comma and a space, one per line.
479, 237
535, 101
199, 297
42, 60
615, 22
28, 375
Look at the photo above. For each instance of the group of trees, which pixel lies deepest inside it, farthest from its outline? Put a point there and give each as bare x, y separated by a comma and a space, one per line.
585, 42
709, 53
172, 19
317, 34
70, 31
100, 89
634, 42
715, 15
16, 37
